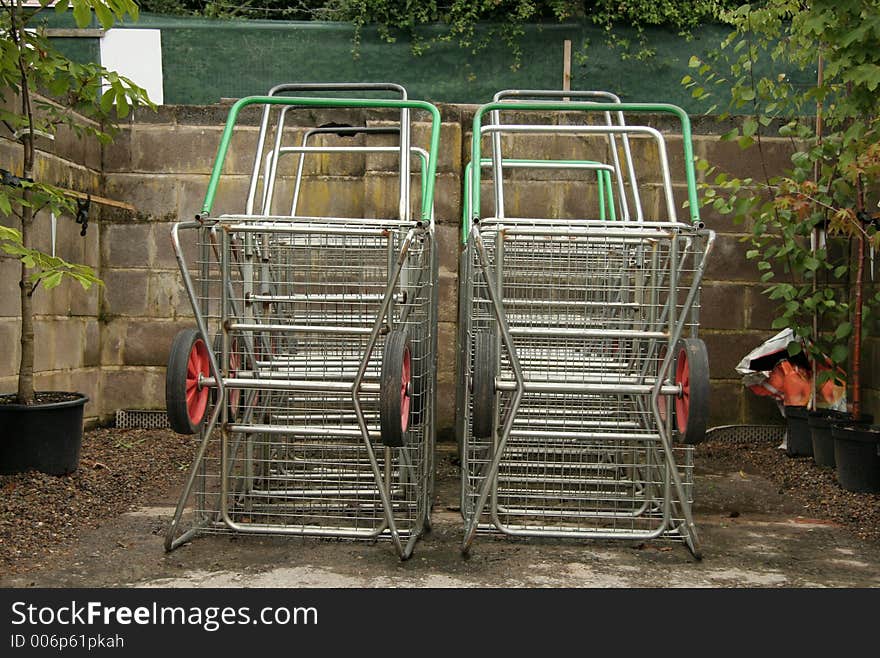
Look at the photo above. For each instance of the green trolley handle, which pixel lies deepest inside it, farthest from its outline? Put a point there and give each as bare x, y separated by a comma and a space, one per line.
328, 102
643, 108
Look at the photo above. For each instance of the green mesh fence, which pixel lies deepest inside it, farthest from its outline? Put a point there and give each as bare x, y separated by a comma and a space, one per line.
205, 60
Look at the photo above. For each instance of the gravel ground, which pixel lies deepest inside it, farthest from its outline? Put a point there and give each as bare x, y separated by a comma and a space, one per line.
42, 516
800, 479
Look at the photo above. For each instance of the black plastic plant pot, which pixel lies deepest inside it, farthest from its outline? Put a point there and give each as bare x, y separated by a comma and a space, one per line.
46, 436
857, 453
799, 443
820, 433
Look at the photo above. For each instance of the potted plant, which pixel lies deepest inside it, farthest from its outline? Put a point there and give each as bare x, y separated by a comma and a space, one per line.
813, 228
43, 429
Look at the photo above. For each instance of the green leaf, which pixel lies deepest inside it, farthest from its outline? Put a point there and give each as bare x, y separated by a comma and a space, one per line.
121, 104
82, 14
843, 330
795, 348
107, 100
839, 353
51, 280
105, 16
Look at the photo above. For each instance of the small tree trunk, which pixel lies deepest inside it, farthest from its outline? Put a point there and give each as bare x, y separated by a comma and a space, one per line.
26, 364
857, 328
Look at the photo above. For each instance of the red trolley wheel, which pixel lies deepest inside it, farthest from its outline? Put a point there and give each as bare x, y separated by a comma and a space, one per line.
186, 400
692, 404
233, 395
395, 391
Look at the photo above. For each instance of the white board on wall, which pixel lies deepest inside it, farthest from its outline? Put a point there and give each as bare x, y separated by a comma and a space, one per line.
136, 54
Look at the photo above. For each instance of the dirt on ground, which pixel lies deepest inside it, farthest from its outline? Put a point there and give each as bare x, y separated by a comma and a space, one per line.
41, 515
765, 520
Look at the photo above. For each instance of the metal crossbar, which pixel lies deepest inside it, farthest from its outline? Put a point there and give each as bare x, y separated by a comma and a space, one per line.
574, 324
303, 315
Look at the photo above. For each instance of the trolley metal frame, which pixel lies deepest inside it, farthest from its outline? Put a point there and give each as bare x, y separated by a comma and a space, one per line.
298, 319
580, 321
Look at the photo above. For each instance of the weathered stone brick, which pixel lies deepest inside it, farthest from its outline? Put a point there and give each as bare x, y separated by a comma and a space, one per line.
447, 200
385, 162
580, 201
88, 382
722, 307
730, 158
183, 149
446, 338
760, 309
154, 196
8, 384
116, 156
448, 298
380, 196
147, 342
56, 380
727, 349
761, 410
10, 350
448, 156
161, 250
871, 363
334, 164
231, 196
44, 344
83, 150
871, 403
728, 262
448, 247
127, 245
446, 374
125, 292
113, 341
725, 403
646, 157
533, 199
10, 304
132, 388
332, 197
69, 337
92, 346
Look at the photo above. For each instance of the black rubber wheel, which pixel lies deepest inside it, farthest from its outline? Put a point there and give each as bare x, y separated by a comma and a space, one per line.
691, 406
485, 354
395, 389
185, 401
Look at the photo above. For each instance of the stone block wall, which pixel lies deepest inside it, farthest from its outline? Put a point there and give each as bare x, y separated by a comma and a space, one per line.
113, 343
67, 321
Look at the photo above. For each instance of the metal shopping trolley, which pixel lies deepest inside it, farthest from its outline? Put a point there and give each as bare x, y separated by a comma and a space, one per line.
311, 374
585, 384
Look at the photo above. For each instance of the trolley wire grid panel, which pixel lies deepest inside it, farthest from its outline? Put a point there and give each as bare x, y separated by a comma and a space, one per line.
311, 374
585, 383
